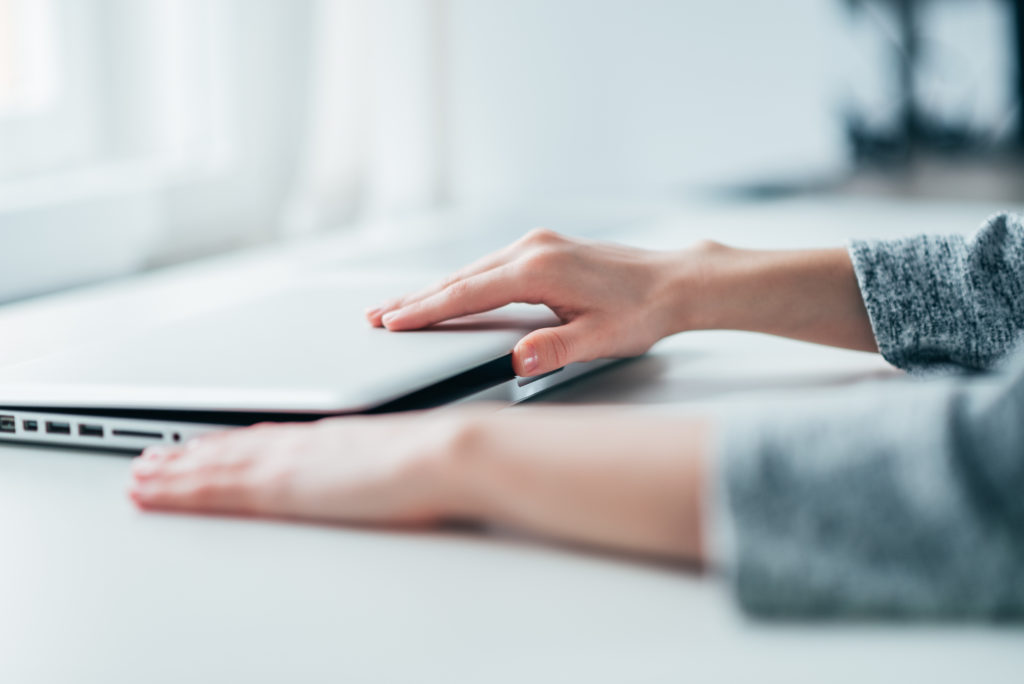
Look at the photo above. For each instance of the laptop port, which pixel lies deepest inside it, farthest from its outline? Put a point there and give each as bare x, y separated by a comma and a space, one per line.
140, 434
90, 430
7, 424
30, 425
56, 427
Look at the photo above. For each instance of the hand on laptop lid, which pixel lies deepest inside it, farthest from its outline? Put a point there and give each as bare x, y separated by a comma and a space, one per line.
613, 301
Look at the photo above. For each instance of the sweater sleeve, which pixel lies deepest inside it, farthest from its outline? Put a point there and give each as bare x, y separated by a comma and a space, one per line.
945, 301
897, 499
903, 498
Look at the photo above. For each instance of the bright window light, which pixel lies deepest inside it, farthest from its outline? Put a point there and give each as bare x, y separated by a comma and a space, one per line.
28, 63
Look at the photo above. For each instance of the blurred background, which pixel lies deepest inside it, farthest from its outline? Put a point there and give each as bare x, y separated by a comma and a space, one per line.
138, 133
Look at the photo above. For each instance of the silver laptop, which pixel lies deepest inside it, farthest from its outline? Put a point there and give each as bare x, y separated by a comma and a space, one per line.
300, 353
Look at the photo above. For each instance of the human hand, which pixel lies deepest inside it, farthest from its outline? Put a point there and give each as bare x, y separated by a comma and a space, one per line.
602, 478
613, 301
366, 469
617, 301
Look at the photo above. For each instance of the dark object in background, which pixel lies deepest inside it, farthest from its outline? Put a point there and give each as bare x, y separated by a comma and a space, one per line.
1018, 36
904, 143
917, 130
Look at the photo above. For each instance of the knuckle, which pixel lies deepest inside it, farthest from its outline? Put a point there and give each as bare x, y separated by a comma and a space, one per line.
541, 262
450, 280
208, 440
457, 290
705, 246
541, 236
396, 304
561, 350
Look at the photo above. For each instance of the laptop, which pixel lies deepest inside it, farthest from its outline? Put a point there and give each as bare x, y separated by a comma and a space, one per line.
298, 353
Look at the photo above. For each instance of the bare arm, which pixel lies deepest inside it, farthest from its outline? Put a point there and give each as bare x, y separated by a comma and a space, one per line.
904, 501
899, 502
601, 478
629, 482
809, 295
617, 301
623, 481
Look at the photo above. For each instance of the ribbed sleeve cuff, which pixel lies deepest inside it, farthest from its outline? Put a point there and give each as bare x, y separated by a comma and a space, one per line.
913, 289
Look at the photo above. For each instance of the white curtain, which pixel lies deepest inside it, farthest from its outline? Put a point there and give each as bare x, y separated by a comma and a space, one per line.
173, 128
374, 133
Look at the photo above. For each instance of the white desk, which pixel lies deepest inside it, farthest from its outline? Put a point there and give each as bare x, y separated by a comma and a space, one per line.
92, 590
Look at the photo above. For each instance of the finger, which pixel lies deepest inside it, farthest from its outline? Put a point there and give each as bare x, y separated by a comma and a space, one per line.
231, 471
201, 478
158, 453
483, 292
214, 492
482, 265
549, 349
167, 461
152, 463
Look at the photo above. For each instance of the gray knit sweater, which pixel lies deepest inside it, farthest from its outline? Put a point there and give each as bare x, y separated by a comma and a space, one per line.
904, 497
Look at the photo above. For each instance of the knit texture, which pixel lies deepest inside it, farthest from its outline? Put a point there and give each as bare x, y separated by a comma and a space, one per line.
902, 498
942, 302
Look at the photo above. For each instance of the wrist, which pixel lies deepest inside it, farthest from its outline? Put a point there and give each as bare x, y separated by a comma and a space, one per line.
693, 288
628, 484
809, 294
455, 463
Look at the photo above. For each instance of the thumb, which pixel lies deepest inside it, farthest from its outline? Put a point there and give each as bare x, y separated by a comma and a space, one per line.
548, 349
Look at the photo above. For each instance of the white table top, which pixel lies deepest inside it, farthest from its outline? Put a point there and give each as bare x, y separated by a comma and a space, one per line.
91, 590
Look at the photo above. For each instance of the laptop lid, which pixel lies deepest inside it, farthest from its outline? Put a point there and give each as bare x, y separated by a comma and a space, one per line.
303, 349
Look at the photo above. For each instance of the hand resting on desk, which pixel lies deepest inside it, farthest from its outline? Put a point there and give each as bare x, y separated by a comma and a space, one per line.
597, 477
631, 487
902, 501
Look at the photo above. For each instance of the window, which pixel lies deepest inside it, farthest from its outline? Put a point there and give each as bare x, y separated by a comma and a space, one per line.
135, 133
107, 108
27, 66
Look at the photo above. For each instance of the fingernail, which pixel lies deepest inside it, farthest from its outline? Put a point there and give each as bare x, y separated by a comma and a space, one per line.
389, 316
529, 357
370, 313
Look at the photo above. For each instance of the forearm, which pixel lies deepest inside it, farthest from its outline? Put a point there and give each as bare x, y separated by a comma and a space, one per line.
899, 499
810, 295
623, 481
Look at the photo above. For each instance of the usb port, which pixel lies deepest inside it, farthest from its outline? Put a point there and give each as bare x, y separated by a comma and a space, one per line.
58, 428
90, 430
7, 424
30, 425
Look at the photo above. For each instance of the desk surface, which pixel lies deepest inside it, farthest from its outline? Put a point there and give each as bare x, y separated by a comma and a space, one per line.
93, 590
